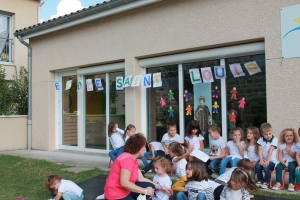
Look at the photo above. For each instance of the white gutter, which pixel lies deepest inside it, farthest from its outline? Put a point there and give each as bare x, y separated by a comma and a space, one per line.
95, 16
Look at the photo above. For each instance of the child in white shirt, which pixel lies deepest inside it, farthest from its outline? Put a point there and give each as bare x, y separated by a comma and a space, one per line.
286, 157
194, 137
161, 165
234, 149
267, 151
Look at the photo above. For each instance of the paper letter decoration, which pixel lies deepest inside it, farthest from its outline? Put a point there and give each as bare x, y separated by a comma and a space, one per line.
89, 85
79, 85
136, 81
220, 72
236, 70
68, 84
195, 76
157, 80
252, 68
207, 75
119, 83
57, 87
147, 80
98, 84
127, 81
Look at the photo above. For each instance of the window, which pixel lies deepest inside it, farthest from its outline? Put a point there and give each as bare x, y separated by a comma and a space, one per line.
6, 40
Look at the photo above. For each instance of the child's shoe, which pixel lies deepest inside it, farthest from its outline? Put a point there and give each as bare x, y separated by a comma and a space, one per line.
297, 187
277, 186
258, 184
264, 185
291, 187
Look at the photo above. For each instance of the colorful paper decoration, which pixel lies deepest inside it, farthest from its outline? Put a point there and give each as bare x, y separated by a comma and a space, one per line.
216, 107
98, 84
57, 86
89, 85
119, 83
207, 75
171, 112
162, 102
127, 81
242, 103
147, 80
232, 118
186, 95
171, 95
188, 110
216, 92
157, 82
220, 72
252, 68
236, 70
136, 81
68, 84
195, 76
79, 85
233, 93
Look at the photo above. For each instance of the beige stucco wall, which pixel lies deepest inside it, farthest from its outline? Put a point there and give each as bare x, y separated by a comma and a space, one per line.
13, 132
24, 13
160, 29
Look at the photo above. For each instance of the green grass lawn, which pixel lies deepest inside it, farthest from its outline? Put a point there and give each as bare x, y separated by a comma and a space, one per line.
25, 177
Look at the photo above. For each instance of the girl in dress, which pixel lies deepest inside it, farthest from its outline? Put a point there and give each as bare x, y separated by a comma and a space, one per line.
194, 137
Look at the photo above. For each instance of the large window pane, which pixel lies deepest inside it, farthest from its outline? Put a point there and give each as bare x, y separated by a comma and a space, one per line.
5, 40
163, 102
202, 99
252, 88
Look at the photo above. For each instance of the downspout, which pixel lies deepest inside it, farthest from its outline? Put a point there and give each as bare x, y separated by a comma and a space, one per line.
29, 120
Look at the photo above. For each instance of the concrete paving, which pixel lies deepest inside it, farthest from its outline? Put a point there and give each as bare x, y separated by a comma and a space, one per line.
81, 161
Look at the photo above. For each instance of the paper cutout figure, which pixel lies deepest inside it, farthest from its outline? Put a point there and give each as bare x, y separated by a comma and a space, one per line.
233, 93
232, 118
171, 112
162, 102
171, 95
242, 103
216, 92
215, 106
186, 95
188, 110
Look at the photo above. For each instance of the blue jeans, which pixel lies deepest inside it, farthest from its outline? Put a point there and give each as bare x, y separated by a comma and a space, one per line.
150, 164
113, 154
71, 196
291, 166
182, 196
147, 154
133, 195
225, 161
214, 165
267, 170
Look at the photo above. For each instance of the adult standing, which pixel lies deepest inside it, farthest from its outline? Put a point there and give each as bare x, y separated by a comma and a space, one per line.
125, 180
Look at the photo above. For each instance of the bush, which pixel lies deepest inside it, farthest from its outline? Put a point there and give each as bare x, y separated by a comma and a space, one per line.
14, 93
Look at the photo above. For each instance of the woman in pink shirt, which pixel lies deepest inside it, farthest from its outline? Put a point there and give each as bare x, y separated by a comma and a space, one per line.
125, 180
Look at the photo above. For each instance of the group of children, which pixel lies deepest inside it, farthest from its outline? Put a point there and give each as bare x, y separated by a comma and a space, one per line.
257, 154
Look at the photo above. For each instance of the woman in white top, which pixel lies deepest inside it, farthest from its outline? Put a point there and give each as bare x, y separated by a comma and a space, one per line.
234, 149
194, 138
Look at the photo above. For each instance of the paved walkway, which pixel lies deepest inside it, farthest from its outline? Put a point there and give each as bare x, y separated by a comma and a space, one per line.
86, 160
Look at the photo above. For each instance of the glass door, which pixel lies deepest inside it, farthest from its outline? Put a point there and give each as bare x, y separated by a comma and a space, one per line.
69, 134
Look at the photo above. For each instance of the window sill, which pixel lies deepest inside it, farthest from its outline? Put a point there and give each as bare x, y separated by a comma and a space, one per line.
7, 64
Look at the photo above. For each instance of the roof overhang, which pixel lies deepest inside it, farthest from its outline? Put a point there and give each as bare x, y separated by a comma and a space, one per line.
83, 16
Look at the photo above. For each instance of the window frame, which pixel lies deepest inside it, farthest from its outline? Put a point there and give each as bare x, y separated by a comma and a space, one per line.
10, 38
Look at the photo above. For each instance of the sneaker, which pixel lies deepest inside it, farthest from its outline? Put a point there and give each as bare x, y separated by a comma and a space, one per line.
150, 170
214, 175
291, 187
100, 197
297, 187
264, 185
277, 186
258, 184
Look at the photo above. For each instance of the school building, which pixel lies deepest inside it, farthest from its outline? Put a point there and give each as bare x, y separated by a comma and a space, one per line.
77, 59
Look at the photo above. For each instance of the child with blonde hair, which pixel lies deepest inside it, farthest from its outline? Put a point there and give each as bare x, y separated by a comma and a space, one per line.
251, 147
238, 185
234, 149
286, 157
63, 188
161, 166
267, 151
179, 161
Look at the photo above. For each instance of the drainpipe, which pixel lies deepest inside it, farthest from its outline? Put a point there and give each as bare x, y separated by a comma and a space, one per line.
29, 121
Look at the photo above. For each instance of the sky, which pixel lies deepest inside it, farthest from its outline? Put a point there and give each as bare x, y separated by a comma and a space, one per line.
54, 8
